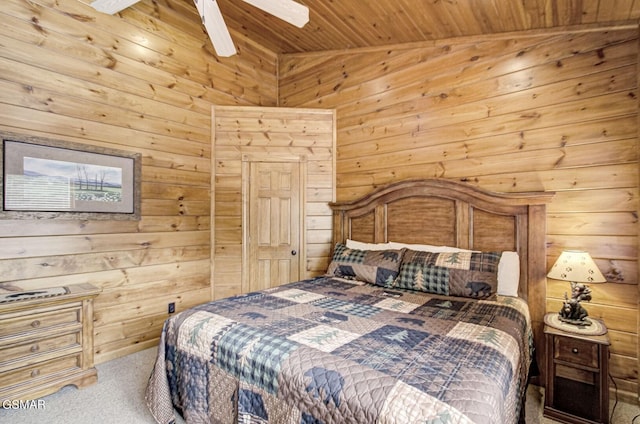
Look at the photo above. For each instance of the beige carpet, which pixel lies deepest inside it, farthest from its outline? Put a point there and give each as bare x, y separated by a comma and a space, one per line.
119, 398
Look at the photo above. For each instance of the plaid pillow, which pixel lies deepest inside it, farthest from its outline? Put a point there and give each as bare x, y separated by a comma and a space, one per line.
378, 267
464, 274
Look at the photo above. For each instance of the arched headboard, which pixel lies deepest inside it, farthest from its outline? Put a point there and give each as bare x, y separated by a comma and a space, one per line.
450, 213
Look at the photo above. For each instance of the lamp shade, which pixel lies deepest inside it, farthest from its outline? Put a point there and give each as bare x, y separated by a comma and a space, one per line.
577, 266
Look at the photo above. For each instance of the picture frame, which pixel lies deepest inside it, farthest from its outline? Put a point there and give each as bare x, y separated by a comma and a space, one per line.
47, 179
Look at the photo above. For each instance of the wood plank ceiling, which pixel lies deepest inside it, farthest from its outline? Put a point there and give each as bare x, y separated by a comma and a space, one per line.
344, 24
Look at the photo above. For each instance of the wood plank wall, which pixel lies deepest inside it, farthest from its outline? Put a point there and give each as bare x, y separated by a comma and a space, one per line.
143, 81
526, 112
270, 135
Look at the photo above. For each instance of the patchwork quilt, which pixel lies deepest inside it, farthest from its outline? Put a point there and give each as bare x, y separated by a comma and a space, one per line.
333, 351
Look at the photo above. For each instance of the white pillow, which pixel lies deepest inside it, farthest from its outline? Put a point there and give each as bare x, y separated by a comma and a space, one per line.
508, 268
509, 274
353, 244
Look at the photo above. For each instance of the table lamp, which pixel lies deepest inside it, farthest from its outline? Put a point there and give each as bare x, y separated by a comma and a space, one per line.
579, 268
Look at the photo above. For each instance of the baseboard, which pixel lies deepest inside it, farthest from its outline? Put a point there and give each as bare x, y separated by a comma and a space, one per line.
624, 396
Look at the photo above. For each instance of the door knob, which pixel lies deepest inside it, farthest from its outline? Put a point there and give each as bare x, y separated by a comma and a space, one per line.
294, 253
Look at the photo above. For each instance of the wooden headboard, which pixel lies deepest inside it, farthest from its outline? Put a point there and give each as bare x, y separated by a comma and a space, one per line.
449, 213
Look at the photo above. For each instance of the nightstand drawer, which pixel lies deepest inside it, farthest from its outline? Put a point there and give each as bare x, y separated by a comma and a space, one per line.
39, 321
576, 351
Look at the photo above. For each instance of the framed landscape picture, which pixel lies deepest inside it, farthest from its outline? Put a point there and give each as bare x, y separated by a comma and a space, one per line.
44, 178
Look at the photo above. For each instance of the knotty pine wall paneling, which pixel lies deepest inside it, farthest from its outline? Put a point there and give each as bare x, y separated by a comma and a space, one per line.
144, 81
523, 112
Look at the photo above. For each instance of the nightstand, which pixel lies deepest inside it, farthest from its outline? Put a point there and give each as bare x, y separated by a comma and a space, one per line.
577, 386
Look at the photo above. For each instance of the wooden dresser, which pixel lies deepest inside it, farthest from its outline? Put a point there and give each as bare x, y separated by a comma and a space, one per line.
46, 341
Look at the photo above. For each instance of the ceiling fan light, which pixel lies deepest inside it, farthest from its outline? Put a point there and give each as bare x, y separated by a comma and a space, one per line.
287, 10
112, 7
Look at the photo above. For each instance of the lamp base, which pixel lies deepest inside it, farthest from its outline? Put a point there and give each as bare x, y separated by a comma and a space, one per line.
593, 328
584, 322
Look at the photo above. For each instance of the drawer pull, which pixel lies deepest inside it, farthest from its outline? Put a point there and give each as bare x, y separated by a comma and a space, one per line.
35, 373
575, 350
35, 348
35, 324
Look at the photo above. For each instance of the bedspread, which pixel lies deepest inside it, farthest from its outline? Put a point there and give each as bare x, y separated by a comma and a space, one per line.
328, 350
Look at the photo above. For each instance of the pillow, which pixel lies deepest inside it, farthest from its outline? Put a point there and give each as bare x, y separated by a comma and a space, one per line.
508, 268
464, 274
378, 267
352, 244
509, 274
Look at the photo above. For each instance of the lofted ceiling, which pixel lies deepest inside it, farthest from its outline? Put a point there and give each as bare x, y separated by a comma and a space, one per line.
344, 24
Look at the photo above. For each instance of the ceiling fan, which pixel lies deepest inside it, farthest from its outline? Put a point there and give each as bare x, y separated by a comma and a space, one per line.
287, 10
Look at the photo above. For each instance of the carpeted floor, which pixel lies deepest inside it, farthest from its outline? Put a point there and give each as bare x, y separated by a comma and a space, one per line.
119, 398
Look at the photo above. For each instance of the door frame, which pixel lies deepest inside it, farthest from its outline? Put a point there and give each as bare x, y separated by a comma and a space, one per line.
247, 159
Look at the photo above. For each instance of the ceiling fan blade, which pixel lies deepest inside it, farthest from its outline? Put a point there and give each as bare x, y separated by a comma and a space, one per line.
112, 7
216, 28
287, 10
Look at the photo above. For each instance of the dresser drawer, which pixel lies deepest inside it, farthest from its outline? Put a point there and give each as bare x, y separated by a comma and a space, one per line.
23, 354
41, 371
17, 324
576, 351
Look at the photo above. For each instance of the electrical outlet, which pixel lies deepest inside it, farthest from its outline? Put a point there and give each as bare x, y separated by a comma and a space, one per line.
171, 308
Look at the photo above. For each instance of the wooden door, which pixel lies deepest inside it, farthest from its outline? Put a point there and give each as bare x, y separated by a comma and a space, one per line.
274, 217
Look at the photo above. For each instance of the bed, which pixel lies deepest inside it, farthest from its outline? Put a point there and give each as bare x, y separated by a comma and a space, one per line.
417, 319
